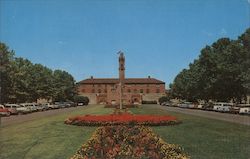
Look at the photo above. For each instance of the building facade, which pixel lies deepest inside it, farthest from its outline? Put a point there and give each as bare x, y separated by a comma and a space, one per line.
129, 91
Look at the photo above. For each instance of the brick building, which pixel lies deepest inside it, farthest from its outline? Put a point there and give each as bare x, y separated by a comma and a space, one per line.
132, 90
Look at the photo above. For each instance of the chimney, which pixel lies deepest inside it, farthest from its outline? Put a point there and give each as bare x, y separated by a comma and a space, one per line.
91, 77
149, 77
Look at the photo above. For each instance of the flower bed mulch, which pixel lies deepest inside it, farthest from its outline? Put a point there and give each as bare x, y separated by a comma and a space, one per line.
121, 119
128, 142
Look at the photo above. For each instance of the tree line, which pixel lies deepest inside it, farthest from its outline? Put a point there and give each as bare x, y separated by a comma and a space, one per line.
221, 72
23, 81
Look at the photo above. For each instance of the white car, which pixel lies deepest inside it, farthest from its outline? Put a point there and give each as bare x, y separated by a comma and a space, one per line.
245, 109
23, 110
222, 107
51, 106
186, 105
200, 106
31, 106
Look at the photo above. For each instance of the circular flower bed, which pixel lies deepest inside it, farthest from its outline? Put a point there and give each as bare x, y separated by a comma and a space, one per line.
121, 119
132, 142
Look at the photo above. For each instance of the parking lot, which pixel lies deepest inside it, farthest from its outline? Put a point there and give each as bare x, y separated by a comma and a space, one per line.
235, 118
13, 119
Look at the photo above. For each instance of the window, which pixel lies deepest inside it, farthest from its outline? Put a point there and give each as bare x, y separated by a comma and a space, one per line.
129, 90
141, 90
135, 90
99, 91
105, 90
93, 90
147, 90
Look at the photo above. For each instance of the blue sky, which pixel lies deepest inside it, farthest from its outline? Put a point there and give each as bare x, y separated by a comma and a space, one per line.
159, 37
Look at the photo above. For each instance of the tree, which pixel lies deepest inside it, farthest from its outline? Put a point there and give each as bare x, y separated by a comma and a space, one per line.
64, 86
220, 73
42, 79
23, 81
6, 56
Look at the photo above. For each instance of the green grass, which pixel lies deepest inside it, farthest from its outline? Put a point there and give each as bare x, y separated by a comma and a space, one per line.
47, 137
203, 137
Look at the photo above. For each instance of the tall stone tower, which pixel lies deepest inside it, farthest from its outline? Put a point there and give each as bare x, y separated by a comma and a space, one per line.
121, 67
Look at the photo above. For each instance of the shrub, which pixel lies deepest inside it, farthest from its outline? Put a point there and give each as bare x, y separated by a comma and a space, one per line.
81, 99
149, 102
164, 99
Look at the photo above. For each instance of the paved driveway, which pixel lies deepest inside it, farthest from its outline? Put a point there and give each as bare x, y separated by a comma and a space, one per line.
234, 118
27, 117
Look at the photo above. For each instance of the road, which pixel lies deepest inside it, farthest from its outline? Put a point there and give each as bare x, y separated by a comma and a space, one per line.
13, 119
234, 118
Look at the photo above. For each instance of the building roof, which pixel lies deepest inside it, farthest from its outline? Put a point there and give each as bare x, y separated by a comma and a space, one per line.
116, 80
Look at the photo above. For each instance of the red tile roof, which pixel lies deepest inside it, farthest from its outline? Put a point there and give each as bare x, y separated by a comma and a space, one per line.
116, 80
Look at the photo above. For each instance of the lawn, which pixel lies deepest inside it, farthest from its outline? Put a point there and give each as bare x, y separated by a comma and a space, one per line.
50, 138
202, 137
47, 137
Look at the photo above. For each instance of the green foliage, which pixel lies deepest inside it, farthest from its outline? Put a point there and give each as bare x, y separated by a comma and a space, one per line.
81, 99
64, 86
220, 73
149, 102
6, 56
23, 81
163, 99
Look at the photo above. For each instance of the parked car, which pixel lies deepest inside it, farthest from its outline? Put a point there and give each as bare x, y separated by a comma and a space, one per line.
50, 106
80, 104
244, 109
235, 110
222, 107
208, 106
24, 110
61, 104
166, 103
67, 104
12, 108
200, 106
42, 107
72, 104
4, 111
186, 105
31, 106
